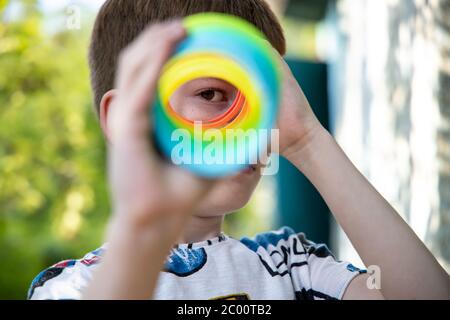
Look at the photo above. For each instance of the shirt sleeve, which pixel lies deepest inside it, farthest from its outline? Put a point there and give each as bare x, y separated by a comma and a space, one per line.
65, 280
55, 283
325, 277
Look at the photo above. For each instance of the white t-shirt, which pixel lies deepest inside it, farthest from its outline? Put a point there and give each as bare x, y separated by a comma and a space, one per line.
278, 264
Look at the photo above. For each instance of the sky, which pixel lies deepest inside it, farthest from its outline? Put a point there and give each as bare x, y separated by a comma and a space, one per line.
52, 8
58, 12
55, 5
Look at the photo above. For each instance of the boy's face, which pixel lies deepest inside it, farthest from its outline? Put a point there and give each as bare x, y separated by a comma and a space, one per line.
201, 100
204, 99
230, 193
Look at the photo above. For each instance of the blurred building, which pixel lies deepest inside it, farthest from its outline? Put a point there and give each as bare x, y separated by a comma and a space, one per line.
389, 89
391, 106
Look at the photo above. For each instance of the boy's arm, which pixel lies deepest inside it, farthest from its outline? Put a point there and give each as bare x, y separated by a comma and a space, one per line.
146, 221
357, 289
377, 231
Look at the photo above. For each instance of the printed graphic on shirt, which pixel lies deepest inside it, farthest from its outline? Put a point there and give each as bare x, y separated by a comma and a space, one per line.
236, 296
352, 268
185, 261
93, 257
54, 271
278, 251
286, 253
65, 264
311, 294
318, 249
321, 251
43, 277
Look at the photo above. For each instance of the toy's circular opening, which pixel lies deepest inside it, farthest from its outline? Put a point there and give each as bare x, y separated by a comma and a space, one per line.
243, 100
210, 101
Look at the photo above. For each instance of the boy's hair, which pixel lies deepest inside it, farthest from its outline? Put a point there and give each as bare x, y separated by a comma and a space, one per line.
120, 21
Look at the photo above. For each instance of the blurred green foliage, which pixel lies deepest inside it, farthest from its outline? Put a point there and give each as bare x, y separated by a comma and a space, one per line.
53, 196
53, 193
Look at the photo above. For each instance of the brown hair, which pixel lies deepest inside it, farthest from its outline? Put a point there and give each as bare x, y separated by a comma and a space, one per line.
120, 21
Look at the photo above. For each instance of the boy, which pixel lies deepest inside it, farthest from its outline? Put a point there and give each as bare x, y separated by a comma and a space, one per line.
167, 219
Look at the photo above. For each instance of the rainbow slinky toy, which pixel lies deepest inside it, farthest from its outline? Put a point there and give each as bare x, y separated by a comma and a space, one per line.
231, 49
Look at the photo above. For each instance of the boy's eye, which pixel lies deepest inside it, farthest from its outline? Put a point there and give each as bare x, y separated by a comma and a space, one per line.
212, 95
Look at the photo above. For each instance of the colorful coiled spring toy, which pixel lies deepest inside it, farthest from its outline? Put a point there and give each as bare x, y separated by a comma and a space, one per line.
231, 49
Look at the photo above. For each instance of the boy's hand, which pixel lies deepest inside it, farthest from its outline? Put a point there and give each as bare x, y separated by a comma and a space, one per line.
152, 200
409, 271
296, 120
144, 187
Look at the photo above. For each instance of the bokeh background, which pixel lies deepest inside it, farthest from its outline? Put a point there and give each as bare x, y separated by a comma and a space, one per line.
377, 73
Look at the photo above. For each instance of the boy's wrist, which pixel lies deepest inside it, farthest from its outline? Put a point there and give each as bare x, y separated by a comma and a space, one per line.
126, 228
303, 151
134, 257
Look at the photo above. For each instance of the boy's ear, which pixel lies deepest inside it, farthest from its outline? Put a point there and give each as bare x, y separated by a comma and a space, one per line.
105, 103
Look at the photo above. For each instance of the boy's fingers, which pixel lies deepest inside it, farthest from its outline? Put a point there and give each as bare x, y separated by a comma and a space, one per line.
142, 51
147, 78
131, 57
138, 74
